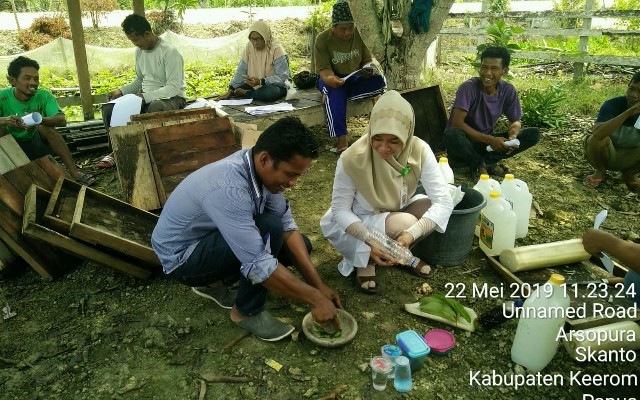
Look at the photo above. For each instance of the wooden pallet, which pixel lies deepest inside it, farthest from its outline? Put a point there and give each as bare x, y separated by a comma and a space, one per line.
36, 202
49, 262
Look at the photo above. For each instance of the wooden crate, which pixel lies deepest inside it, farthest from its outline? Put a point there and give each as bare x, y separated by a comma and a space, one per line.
583, 271
431, 114
49, 262
166, 118
103, 220
58, 214
35, 204
178, 150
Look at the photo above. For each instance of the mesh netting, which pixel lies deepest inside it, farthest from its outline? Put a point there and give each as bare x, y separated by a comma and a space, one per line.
59, 53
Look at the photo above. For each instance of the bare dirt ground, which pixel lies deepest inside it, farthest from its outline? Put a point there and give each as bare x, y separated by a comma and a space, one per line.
96, 334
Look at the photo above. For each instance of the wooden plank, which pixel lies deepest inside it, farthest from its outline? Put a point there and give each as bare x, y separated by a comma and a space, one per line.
11, 197
177, 120
188, 147
38, 175
58, 214
187, 130
102, 219
169, 183
172, 115
36, 201
195, 161
19, 179
134, 166
430, 113
52, 169
13, 151
7, 258
5, 162
40, 258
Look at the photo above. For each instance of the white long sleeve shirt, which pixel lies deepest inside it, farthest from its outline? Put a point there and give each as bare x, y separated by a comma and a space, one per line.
349, 206
159, 73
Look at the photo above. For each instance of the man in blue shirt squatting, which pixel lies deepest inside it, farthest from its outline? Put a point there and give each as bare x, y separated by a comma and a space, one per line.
229, 221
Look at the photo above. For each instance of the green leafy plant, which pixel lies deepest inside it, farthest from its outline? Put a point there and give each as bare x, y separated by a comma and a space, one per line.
181, 6
541, 107
499, 34
320, 18
162, 21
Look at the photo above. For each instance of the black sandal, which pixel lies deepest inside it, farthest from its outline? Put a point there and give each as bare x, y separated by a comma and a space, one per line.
493, 170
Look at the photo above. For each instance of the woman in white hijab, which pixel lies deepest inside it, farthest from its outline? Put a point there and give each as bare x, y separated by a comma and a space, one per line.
375, 184
263, 68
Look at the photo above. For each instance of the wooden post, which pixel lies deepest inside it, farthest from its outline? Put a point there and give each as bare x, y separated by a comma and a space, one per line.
583, 44
138, 7
80, 53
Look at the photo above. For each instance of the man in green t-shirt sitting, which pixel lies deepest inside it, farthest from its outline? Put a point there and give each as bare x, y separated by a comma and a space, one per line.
24, 97
340, 51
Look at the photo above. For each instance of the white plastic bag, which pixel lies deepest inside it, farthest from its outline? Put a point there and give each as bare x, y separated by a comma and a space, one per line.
292, 93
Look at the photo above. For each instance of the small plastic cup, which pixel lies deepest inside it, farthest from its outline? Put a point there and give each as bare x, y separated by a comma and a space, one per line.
32, 119
380, 368
391, 352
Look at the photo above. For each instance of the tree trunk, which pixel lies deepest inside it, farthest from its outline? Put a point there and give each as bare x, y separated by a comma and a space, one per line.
401, 58
15, 14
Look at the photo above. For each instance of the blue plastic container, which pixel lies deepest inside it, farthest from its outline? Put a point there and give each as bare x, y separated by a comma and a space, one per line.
413, 347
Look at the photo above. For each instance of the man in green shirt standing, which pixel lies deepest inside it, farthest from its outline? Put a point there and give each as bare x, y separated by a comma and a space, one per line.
340, 51
24, 97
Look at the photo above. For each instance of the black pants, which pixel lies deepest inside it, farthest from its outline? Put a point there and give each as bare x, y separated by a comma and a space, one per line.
463, 151
212, 260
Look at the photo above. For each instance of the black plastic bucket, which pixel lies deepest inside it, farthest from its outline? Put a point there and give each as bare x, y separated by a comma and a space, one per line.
454, 245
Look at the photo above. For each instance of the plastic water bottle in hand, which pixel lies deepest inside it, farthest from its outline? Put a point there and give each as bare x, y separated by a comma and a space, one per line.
390, 247
445, 170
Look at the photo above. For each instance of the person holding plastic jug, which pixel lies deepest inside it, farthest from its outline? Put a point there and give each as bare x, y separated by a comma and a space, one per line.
375, 186
469, 136
615, 142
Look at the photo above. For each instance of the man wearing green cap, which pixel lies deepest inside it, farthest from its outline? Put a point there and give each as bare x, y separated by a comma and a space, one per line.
339, 51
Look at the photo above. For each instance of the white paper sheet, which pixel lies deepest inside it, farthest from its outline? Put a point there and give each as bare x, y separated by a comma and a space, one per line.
125, 106
272, 108
237, 102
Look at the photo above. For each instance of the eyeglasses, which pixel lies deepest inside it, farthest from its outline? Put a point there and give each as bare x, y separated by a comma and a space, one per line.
256, 39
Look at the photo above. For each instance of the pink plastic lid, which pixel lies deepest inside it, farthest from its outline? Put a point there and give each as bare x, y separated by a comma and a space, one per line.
440, 340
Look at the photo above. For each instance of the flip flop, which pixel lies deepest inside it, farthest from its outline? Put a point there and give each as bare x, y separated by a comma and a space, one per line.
107, 162
591, 181
337, 151
493, 170
360, 280
87, 180
633, 186
417, 270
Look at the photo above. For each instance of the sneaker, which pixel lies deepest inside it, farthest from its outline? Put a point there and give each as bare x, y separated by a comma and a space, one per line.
266, 327
224, 297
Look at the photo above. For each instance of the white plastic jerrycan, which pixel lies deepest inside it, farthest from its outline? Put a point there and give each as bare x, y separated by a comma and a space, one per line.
485, 185
516, 192
498, 226
445, 170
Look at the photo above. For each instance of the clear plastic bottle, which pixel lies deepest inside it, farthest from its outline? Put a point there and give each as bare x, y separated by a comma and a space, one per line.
402, 380
499, 314
520, 198
446, 170
485, 185
543, 314
498, 227
390, 247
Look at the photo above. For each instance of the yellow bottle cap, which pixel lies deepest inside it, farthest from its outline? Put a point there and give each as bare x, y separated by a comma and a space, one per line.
444, 159
509, 177
484, 177
557, 279
494, 195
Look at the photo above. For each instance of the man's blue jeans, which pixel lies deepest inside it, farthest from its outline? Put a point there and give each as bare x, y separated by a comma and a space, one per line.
212, 260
